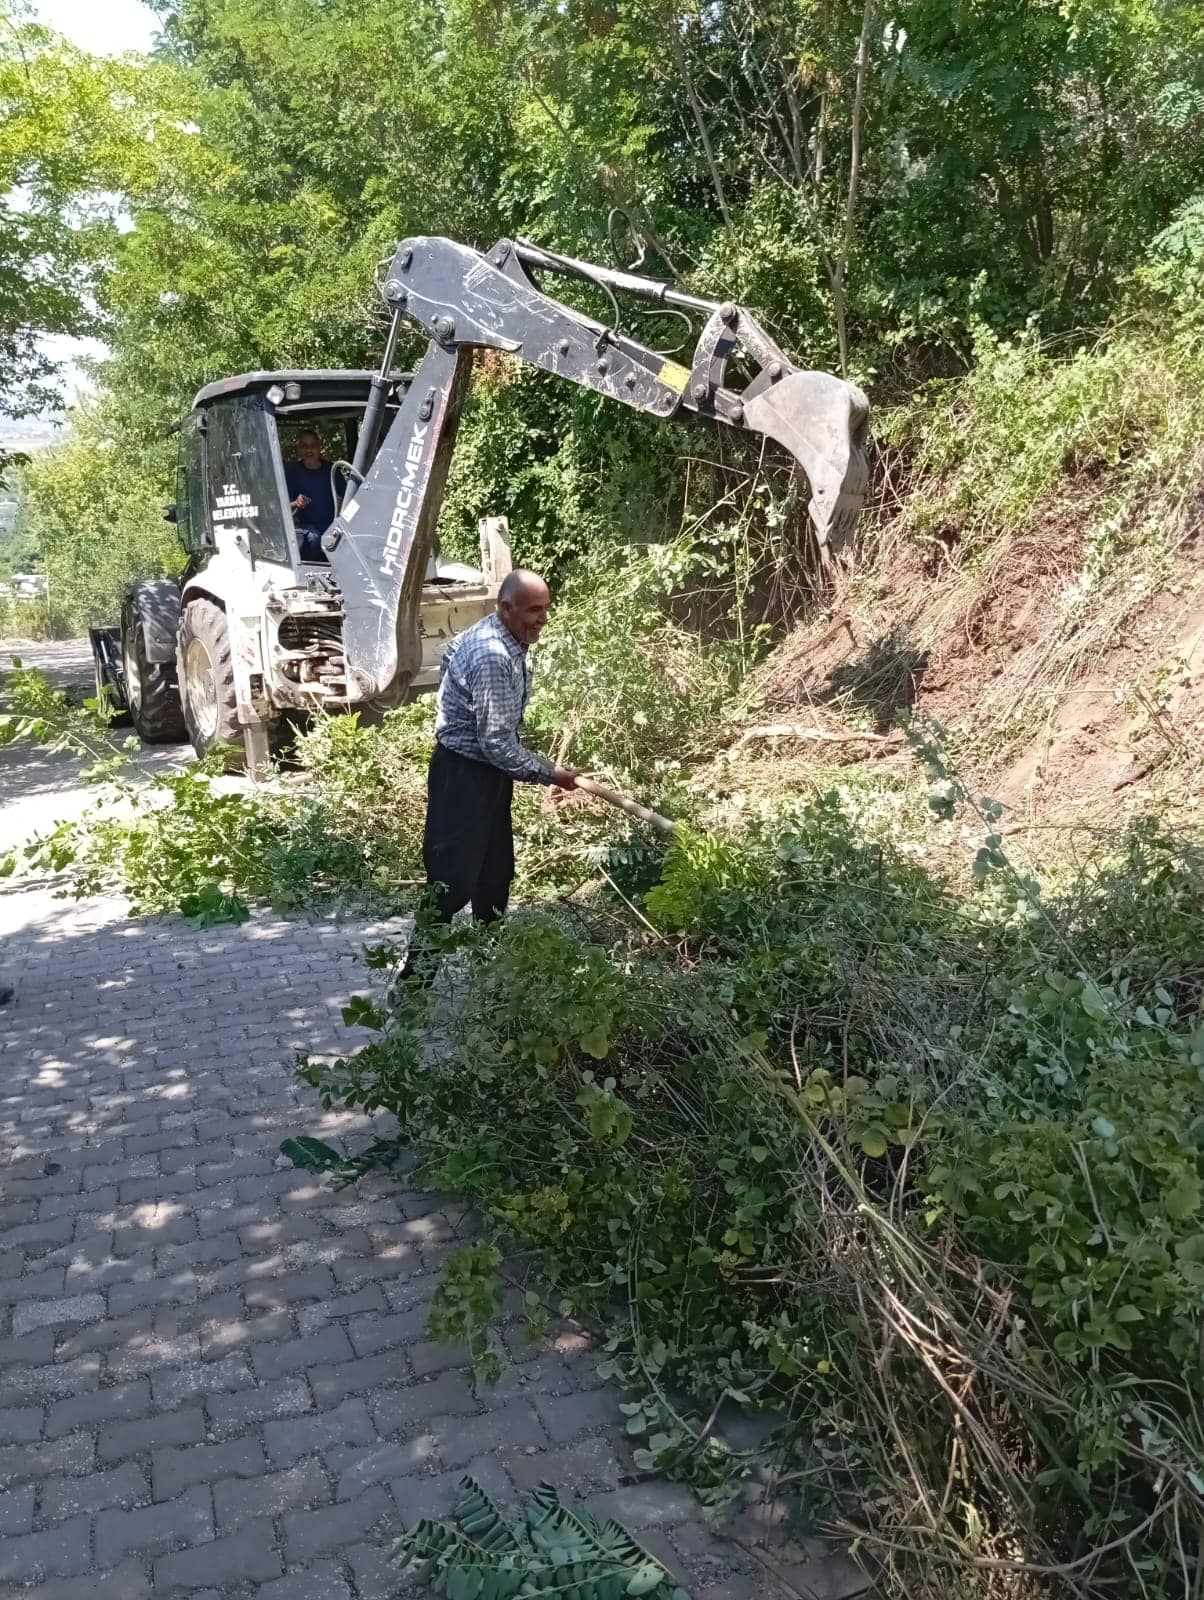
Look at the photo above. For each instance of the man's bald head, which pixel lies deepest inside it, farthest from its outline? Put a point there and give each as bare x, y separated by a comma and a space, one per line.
522, 604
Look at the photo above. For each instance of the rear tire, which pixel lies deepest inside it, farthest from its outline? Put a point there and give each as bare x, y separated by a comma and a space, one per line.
206, 675
152, 694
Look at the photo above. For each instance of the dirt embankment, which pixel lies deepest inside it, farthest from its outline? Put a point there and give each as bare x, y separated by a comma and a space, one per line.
1068, 693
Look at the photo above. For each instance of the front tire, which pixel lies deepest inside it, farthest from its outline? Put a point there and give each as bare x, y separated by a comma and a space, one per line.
206, 673
152, 695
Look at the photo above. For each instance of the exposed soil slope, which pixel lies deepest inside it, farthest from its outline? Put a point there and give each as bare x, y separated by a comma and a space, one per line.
1064, 697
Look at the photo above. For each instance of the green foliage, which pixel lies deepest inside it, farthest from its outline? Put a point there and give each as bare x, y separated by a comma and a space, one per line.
1014, 170
59, 115
189, 840
94, 507
623, 685
465, 1307
906, 1167
987, 451
1176, 262
313, 1155
547, 1550
42, 714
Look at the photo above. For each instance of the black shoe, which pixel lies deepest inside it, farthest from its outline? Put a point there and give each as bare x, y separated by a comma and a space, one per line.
7, 994
413, 979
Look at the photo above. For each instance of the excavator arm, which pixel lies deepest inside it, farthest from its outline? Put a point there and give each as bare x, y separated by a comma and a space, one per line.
379, 544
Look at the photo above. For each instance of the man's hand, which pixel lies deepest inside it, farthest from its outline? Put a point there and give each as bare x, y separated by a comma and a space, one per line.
300, 503
565, 777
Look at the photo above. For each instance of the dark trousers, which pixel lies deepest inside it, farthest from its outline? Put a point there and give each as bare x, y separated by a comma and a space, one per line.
468, 842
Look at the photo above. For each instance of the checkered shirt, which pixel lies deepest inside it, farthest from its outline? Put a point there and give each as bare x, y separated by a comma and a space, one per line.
484, 686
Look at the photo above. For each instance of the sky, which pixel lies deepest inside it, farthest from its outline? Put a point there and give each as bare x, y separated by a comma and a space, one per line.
102, 27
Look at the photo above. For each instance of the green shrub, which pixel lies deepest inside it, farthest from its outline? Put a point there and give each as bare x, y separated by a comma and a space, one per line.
1175, 270
989, 448
920, 1172
634, 692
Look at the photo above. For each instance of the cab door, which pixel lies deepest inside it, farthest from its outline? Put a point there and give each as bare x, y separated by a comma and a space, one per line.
244, 480
192, 519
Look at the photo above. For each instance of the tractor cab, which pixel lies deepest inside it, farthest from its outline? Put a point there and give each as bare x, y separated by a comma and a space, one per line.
240, 462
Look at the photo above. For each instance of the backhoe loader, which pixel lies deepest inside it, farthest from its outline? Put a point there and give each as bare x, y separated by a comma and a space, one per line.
271, 619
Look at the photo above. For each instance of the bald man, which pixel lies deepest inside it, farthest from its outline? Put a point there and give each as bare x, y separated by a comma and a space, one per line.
484, 685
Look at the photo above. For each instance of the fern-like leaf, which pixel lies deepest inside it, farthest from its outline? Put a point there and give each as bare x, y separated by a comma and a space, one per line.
315, 1155
551, 1553
558, 1525
480, 1520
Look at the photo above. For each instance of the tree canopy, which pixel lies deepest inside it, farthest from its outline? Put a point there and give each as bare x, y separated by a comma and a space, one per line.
875, 180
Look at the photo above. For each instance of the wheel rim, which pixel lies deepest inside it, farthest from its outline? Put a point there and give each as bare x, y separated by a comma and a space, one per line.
201, 688
133, 677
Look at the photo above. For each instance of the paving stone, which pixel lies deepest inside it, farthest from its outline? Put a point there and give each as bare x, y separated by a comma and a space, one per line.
120, 1402
361, 1375
321, 1582
374, 1331
352, 1272
111, 1334
312, 1317
176, 1469
310, 1533
150, 1530
313, 1283
513, 1425
122, 1439
655, 1503
327, 1345
235, 1413
131, 1237
94, 1491
65, 1550
150, 1351
248, 1556
404, 1410
74, 1453
237, 1500
88, 1276
348, 1423
33, 1347
16, 1511
816, 1570
176, 1288
213, 1219
126, 1582
567, 1417
19, 1384
20, 1424
356, 1469
417, 1496
735, 1587
427, 1356
375, 1577
32, 1235
220, 1336
590, 1466
174, 1385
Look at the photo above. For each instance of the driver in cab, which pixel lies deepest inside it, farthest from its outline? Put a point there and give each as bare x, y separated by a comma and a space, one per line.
311, 494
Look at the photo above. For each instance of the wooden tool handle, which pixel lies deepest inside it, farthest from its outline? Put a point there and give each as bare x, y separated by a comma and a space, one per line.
624, 802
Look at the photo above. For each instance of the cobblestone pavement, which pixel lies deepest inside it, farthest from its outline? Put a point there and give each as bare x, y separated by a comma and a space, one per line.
214, 1379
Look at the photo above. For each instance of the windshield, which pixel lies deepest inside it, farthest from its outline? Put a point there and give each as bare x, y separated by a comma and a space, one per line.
244, 481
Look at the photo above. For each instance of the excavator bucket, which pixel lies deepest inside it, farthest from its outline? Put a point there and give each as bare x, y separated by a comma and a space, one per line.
823, 421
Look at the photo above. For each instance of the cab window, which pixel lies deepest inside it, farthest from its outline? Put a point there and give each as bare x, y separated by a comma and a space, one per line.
243, 483
192, 523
